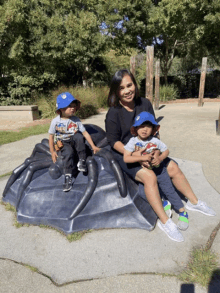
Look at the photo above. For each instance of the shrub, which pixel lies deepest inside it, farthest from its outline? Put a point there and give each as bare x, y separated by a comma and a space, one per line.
168, 93
21, 89
86, 111
91, 100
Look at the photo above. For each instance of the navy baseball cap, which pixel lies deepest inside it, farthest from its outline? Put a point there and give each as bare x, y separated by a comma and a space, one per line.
144, 117
64, 100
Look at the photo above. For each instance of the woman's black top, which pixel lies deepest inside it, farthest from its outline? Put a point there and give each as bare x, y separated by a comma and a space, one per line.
119, 121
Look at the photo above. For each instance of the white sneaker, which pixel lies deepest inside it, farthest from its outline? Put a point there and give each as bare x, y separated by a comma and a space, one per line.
170, 228
201, 207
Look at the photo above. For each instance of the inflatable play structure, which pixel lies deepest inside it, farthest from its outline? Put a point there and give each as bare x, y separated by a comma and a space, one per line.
104, 197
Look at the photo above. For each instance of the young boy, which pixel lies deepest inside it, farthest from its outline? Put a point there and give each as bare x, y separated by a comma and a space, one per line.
143, 130
66, 135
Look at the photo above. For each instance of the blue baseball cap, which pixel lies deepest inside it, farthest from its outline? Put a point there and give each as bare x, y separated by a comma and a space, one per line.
64, 100
144, 117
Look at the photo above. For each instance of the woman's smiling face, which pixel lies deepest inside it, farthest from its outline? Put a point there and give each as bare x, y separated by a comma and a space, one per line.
126, 91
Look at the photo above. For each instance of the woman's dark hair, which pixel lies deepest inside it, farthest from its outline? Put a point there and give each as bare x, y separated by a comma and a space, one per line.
113, 98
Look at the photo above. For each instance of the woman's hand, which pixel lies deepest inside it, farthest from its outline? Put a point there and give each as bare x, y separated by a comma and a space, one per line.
147, 158
139, 152
145, 163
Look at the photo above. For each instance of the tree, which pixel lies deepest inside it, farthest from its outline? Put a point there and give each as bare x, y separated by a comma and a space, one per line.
175, 28
41, 41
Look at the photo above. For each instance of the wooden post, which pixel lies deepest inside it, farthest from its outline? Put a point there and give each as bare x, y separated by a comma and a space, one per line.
149, 72
132, 64
202, 82
157, 86
218, 125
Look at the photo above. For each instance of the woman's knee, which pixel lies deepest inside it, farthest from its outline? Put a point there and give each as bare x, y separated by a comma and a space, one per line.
173, 169
147, 177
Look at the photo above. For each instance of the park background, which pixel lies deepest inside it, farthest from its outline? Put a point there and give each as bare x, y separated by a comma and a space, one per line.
49, 46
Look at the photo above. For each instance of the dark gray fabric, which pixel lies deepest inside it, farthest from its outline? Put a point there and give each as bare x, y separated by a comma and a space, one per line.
166, 186
73, 150
119, 121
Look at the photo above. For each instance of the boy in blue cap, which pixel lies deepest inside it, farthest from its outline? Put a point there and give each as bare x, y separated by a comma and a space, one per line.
66, 135
154, 151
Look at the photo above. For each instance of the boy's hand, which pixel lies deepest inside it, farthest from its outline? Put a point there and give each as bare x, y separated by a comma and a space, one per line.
54, 156
156, 161
95, 149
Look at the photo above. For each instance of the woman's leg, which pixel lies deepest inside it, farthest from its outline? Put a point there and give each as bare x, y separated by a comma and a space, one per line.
180, 182
149, 179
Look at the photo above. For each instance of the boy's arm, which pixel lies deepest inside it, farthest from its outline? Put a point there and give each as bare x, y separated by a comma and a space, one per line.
128, 158
89, 139
52, 150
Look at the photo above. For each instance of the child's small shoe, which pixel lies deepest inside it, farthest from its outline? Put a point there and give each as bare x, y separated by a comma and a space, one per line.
82, 165
67, 183
167, 208
201, 207
183, 221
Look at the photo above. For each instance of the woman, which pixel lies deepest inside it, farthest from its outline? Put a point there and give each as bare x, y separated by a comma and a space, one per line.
125, 104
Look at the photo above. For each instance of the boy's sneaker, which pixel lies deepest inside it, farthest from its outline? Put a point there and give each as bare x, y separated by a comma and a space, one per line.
67, 183
82, 165
170, 228
183, 222
167, 208
201, 207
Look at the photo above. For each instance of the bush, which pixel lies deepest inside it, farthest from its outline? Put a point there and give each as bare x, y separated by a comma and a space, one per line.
91, 100
168, 93
86, 111
22, 89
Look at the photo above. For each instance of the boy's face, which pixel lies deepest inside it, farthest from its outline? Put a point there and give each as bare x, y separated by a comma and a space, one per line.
69, 111
144, 130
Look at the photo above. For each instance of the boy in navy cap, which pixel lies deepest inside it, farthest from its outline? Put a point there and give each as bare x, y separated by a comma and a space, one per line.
154, 151
66, 134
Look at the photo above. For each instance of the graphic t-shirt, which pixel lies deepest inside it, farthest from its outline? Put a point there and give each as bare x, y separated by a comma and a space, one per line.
151, 142
65, 128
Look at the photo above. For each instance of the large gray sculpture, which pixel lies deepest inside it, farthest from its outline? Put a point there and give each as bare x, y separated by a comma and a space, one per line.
105, 197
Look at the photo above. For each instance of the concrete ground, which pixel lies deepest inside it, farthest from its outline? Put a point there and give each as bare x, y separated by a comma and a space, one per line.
124, 260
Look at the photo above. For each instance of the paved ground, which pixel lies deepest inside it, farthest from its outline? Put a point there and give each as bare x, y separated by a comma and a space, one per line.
122, 260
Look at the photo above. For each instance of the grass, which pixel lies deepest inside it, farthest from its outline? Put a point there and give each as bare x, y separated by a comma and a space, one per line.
77, 235
70, 237
11, 136
201, 268
6, 174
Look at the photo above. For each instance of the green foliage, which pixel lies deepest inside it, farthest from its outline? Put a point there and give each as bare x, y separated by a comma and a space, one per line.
91, 100
86, 111
114, 61
168, 93
77, 235
70, 237
175, 28
9, 207
200, 268
96, 96
45, 43
46, 106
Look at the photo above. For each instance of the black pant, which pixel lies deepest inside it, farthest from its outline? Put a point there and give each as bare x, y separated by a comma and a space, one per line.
73, 149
